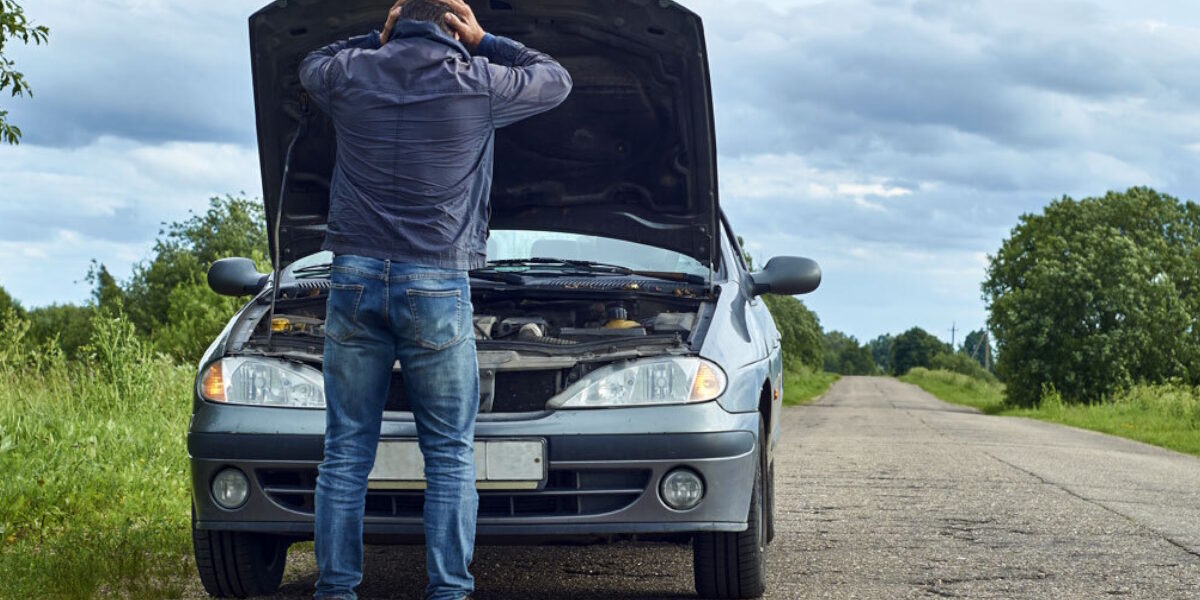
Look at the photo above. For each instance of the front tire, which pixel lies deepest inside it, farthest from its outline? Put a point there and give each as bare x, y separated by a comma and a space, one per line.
234, 564
733, 565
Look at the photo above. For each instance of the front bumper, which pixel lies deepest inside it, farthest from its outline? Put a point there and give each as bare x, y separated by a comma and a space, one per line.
603, 475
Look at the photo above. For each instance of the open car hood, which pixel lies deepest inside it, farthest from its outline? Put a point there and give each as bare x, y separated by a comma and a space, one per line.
630, 155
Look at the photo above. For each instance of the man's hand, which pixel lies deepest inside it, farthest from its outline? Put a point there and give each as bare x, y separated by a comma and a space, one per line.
462, 20
392, 18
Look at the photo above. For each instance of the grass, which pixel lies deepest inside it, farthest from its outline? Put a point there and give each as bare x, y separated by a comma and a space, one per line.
1163, 415
94, 498
802, 386
956, 388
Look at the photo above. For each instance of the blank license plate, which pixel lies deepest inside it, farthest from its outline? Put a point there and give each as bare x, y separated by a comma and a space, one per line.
499, 465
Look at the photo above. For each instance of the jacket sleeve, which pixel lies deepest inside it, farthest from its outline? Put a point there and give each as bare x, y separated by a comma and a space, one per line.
523, 81
318, 69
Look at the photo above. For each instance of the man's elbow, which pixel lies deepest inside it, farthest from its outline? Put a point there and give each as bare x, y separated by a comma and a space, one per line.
310, 71
561, 85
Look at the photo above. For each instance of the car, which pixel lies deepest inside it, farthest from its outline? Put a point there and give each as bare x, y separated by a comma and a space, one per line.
631, 374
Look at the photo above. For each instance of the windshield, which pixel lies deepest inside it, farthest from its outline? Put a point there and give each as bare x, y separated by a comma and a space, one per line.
515, 245
512, 245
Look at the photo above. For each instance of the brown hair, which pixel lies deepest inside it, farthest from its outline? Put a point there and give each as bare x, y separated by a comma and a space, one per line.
432, 11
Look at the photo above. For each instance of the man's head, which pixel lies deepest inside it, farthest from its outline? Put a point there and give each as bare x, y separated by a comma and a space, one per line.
432, 11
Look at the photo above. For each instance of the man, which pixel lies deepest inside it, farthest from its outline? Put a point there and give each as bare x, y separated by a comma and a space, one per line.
415, 115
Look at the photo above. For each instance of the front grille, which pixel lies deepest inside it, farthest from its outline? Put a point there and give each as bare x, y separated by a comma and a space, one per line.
515, 392
568, 492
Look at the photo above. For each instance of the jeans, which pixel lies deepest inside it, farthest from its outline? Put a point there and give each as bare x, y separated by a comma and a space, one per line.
378, 313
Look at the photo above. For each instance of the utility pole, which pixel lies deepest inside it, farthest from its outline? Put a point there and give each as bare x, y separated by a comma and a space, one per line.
987, 356
953, 332
985, 342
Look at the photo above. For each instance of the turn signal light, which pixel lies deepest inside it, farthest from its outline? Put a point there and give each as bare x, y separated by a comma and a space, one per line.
213, 385
709, 384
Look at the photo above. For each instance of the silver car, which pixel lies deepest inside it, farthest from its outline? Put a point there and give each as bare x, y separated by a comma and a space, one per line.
631, 376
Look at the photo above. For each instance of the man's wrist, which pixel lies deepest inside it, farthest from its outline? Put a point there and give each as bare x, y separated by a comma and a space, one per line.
486, 44
370, 41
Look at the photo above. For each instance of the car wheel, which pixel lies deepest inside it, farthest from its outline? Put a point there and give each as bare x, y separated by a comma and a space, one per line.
235, 564
733, 565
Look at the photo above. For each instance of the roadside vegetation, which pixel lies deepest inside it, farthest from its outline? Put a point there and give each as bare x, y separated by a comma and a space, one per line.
1093, 297
94, 406
802, 386
1166, 415
956, 388
1095, 309
94, 498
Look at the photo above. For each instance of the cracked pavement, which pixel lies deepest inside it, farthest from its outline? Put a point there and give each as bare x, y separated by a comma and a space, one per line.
886, 492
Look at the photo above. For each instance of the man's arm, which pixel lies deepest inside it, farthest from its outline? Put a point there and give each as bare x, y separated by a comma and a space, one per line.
524, 82
318, 68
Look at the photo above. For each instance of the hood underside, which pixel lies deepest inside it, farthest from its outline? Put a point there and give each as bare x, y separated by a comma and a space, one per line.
630, 155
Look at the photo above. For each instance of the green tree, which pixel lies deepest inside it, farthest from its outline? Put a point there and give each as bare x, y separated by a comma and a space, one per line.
9, 306
881, 351
916, 348
1092, 296
15, 26
799, 329
959, 362
845, 356
168, 298
107, 295
67, 324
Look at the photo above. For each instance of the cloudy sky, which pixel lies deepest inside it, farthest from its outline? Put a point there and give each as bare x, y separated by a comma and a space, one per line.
896, 141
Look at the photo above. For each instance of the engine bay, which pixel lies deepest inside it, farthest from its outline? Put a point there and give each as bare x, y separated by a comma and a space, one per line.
554, 323
531, 346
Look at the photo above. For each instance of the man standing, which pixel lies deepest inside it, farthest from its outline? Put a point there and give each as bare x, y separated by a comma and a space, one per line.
415, 115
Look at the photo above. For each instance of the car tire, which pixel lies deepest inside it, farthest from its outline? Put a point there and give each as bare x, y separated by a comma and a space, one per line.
733, 565
235, 564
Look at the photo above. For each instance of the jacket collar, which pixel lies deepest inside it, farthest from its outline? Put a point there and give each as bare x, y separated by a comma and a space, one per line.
409, 29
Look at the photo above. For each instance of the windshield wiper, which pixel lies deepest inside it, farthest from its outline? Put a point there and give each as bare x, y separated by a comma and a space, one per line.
579, 265
498, 277
593, 267
313, 272
673, 276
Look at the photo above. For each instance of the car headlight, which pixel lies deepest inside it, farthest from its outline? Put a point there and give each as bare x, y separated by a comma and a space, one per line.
647, 382
263, 382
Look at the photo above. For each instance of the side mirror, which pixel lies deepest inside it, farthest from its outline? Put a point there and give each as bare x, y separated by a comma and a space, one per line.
236, 277
787, 276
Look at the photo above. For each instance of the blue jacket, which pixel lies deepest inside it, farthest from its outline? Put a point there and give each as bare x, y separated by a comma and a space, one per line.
415, 122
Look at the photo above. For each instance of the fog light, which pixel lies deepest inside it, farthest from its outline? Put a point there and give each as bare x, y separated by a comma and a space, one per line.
230, 488
682, 489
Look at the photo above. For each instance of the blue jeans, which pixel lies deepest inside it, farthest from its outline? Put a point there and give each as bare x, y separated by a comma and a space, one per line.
380, 312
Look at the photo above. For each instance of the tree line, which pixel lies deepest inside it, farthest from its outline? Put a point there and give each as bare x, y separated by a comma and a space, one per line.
167, 299
1086, 299
808, 346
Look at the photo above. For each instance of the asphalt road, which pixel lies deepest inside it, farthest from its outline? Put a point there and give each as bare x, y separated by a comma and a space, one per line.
885, 492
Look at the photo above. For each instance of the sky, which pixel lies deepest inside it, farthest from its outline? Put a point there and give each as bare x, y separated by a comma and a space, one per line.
897, 142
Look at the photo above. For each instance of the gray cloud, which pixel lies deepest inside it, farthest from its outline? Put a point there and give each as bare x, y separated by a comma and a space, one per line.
144, 70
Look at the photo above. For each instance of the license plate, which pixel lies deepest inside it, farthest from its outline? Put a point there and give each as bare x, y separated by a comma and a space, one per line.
499, 465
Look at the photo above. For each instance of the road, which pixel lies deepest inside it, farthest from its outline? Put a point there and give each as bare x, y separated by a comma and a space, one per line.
886, 492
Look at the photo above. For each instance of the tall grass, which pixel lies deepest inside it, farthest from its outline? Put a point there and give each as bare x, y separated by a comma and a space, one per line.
1166, 415
94, 486
802, 385
986, 395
